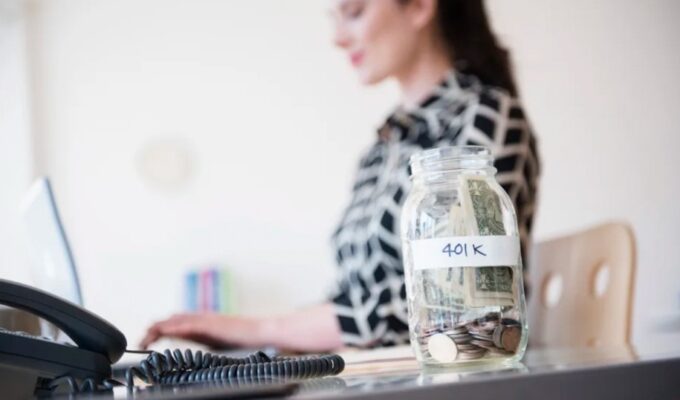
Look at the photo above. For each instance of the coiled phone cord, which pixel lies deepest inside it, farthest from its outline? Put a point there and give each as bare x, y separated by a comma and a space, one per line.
175, 367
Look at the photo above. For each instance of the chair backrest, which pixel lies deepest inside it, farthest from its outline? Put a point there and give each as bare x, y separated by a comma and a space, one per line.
582, 288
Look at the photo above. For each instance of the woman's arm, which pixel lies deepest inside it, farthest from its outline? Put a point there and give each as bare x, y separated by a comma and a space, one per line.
312, 329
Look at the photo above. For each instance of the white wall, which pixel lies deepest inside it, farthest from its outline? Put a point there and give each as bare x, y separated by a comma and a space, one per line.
253, 91
15, 144
268, 115
600, 79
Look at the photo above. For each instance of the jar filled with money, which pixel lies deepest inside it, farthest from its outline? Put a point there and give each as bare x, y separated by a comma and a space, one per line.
462, 261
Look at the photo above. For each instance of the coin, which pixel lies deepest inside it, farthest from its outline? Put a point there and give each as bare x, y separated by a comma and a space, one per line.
462, 339
431, 331
489, 317
457, 335
487, 325
509, 322
446, 329
466, 347
497, 334
488, 322
442, 348
456, 332
472, 355
486, 338
483, 335
478, 350
510, 338
462, 325
480, 329
483, 343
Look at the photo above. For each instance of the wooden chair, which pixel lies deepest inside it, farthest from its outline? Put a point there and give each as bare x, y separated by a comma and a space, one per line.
583, 288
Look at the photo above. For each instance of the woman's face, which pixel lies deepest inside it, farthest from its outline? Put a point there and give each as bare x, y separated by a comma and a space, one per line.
379, 36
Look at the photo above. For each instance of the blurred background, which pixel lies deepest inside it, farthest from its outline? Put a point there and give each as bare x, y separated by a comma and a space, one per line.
181, 134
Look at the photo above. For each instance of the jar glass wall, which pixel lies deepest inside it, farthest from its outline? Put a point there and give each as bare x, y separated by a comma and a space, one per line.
462, 261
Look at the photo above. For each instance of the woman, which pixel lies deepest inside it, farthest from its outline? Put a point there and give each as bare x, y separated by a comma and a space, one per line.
456, 88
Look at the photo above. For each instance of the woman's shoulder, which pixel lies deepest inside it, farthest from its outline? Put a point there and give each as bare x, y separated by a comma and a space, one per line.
461, 104
475, 106
481, 97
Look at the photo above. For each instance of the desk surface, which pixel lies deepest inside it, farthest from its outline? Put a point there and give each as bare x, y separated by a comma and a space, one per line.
559, 373
589, 373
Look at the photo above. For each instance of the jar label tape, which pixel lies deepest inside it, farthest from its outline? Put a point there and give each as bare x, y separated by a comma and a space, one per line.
465, 251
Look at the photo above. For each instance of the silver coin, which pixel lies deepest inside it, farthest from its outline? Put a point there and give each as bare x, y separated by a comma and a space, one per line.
462, 325
458, 335
435, 328
471, 356
456, 327
486, 338
490, 317
451, 326
477, 350
430, 332
510, 322
482, 335
489, 324
444, 329
497, 335
463, 339
442, 348
481, 330
483, 323
466, 347
485, 326
483, 343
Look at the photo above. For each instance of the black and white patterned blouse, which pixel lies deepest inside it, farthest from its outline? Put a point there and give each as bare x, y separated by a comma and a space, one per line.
370, 297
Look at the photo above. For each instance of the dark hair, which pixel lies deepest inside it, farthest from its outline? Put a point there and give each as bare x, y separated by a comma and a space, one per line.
474, 48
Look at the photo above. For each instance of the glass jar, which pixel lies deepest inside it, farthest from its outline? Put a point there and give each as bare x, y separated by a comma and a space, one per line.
462, 261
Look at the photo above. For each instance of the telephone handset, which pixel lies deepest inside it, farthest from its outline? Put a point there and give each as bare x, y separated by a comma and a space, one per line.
100, 344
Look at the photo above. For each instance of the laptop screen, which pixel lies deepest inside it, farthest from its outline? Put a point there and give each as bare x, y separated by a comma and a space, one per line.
53, 268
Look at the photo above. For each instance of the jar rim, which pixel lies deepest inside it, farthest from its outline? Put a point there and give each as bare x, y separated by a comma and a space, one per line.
449, 158
452, 153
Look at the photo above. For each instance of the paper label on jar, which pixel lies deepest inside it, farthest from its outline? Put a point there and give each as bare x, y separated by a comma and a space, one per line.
465, 251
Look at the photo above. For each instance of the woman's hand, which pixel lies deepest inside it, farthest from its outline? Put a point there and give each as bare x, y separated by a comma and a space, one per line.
212, 329
311, 329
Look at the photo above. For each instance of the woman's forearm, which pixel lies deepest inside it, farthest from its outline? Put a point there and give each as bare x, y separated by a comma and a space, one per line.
313, 329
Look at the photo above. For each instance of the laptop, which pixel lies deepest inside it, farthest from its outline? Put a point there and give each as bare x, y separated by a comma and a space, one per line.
53, 268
